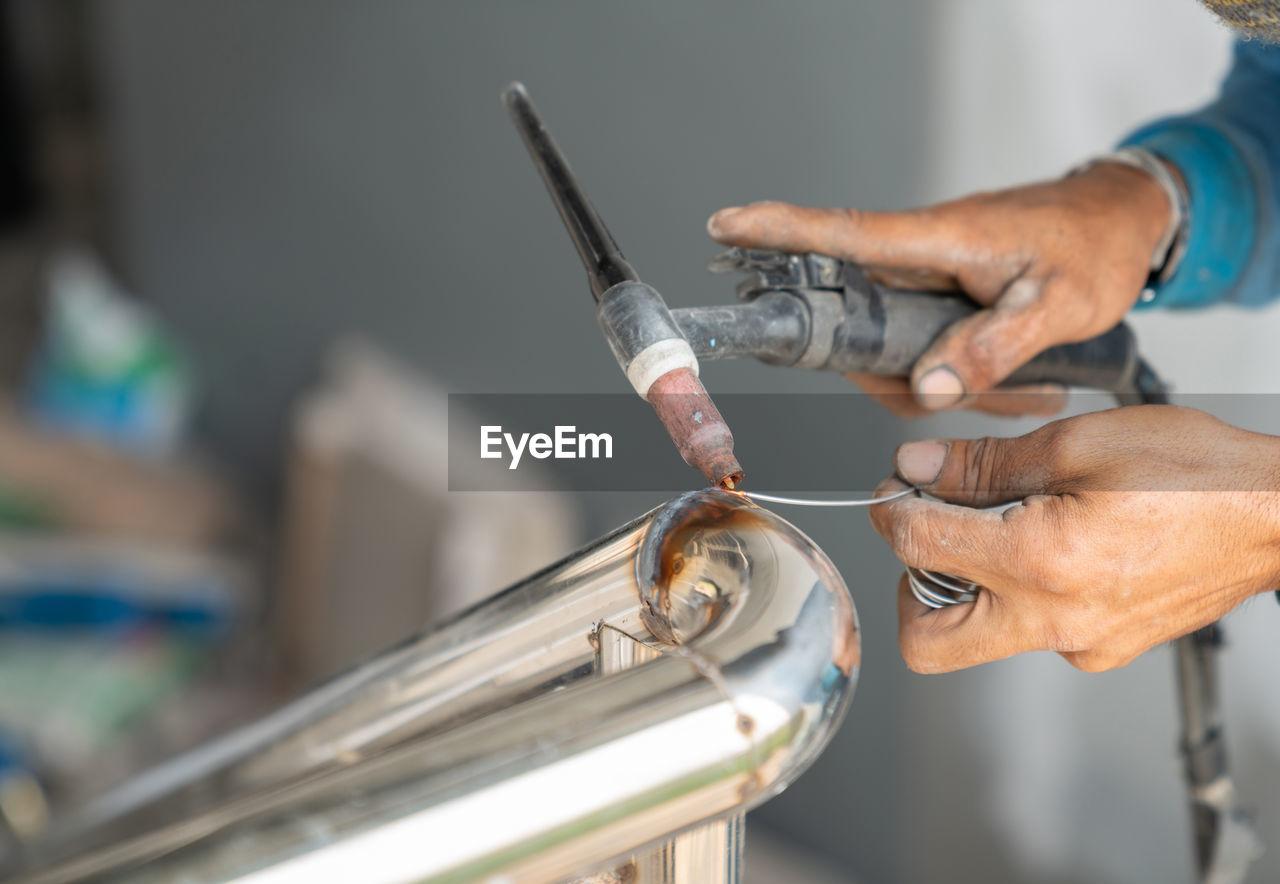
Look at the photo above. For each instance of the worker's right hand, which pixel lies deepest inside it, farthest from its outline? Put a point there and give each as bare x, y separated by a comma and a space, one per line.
1050, 263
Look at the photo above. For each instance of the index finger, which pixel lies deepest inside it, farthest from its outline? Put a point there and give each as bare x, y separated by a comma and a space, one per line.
925, 238
937, 536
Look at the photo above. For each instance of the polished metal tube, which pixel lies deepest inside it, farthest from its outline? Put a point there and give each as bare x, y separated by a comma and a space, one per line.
707, 854
496, 746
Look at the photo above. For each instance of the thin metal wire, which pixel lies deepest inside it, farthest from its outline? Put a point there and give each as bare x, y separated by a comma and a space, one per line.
935, 590
802, 501
931, 588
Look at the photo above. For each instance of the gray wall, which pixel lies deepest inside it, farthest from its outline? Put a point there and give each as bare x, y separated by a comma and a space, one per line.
290, 171
287, 172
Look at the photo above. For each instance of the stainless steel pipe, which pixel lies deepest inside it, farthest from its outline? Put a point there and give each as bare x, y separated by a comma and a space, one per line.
501, 747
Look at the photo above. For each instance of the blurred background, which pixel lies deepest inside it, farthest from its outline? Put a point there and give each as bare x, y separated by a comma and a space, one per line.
247, 250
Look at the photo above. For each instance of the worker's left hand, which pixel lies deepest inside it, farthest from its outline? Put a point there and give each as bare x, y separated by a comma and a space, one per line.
1049, 263
1137, 526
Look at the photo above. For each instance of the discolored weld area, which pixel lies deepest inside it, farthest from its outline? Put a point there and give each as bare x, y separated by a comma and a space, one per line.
693, 560
695, 425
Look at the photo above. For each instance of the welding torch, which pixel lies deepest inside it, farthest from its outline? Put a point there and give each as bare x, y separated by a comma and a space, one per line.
818, 312
806, 311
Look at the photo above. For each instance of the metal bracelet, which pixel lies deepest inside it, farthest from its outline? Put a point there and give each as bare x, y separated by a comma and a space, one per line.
1173, 242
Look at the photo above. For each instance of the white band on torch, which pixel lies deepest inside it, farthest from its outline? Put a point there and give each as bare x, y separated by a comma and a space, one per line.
658, 359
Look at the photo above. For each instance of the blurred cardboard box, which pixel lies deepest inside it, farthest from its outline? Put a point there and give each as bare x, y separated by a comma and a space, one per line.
376, 548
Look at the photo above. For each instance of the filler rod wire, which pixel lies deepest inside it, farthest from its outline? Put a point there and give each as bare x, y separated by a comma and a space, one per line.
931, 588
803, 501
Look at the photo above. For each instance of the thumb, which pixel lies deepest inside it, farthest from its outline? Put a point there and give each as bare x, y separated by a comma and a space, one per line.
978, 352
917, 239
977, 472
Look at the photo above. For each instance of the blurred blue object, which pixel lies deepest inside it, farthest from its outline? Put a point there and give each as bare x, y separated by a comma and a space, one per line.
106, 606
107, 367
66, 583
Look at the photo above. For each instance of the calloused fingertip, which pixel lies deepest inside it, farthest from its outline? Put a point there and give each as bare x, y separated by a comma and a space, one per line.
716, 221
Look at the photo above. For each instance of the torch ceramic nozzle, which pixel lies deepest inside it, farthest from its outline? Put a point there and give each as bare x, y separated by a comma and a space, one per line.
695, 425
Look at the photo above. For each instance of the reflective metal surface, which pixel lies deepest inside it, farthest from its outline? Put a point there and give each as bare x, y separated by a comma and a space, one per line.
495, 748
708, 854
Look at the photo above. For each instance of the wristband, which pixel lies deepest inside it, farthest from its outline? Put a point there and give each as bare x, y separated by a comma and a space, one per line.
1173, 242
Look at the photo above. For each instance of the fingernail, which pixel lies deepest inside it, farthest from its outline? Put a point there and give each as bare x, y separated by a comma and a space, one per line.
713, 223
940, 388
920, 463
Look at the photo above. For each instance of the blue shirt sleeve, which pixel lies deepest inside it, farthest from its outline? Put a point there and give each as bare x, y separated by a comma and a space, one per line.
1229, 156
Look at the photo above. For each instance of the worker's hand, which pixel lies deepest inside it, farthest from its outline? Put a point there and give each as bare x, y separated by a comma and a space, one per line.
1137, 526
1053, 263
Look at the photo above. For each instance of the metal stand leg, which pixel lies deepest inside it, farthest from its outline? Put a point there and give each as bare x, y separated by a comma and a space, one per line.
1224, 836
711, 853
708, 854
